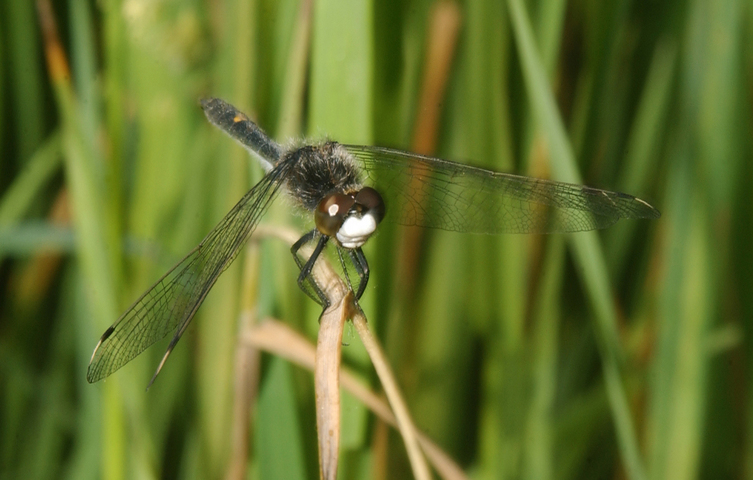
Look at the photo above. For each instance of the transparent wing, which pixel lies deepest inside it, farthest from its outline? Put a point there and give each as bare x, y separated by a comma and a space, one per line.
171, 303
435, 193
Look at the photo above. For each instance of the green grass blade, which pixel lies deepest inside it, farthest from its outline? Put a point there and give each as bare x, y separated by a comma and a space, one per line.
644, 146
278, 436
30, 238
81, 168
585, 246
539, 462
27, 186
26, 79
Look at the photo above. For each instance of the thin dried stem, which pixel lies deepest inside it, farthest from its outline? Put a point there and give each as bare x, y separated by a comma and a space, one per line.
329, 346
404, 421
277, 338
247, 367
327, 367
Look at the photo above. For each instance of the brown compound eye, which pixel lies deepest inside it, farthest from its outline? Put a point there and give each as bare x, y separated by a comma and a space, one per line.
371, 202
331, 212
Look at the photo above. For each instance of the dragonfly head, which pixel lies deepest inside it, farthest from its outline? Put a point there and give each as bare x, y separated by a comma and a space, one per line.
350, 217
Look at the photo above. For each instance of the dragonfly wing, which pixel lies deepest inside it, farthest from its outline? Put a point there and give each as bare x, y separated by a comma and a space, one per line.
172, 301
435, 193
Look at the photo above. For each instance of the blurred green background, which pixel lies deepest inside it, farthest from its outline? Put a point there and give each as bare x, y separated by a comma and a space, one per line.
617, 354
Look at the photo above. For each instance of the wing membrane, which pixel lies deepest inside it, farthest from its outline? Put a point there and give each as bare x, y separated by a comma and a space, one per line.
435, 193
170, 304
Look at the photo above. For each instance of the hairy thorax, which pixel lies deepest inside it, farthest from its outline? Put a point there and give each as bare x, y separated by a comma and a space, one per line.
320, 170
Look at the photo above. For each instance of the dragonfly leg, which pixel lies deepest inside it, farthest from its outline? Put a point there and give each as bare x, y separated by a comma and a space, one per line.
305, 281
297, 246
362, 268
344, 267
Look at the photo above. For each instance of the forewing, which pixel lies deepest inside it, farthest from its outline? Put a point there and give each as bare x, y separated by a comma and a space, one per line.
173, 300
435, 193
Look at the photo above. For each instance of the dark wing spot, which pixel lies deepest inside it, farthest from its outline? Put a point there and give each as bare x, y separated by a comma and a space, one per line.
107, 333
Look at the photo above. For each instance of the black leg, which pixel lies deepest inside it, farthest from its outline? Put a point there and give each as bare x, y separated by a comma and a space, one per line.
297, 246
306, 270
311, 288
362, 267
344, 267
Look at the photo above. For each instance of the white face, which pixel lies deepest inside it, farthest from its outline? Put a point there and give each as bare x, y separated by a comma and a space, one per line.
355, 231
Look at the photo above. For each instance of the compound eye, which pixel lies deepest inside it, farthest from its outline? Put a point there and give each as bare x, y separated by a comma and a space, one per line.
371, 202
331, 212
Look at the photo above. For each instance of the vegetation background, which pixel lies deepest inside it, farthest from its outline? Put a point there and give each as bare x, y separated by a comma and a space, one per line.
617, 354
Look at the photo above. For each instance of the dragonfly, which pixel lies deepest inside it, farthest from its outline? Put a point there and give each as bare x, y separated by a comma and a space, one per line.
350, 190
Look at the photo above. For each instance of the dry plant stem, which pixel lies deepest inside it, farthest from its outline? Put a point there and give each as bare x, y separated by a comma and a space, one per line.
404, 421
327, 387
57, 64
38, 274
247, 361
279, 339
329, 345
443, 31
327, 369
